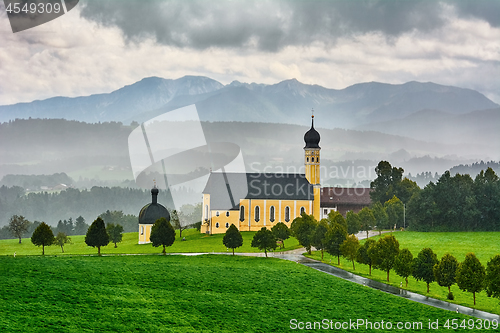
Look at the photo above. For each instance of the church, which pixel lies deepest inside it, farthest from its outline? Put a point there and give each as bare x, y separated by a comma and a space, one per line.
251, 201
271, 198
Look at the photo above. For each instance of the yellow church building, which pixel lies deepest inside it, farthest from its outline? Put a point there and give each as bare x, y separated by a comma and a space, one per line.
267, 199
251, 201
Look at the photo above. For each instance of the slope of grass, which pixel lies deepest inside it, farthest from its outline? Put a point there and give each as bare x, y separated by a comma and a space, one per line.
195, 242
207, 293
484, 244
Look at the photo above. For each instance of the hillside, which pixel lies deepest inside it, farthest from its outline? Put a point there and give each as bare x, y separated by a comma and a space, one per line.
100, 151
477, 127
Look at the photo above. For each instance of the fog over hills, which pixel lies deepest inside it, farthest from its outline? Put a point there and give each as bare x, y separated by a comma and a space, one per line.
419, 126
480, 128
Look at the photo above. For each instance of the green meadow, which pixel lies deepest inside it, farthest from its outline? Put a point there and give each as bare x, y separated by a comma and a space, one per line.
195, 242
485, 245
207, 293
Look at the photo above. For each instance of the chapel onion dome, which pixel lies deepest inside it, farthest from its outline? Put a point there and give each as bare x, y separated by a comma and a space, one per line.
312, 137
153, 211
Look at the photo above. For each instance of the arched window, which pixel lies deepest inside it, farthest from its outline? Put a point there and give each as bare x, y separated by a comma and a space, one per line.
257, 213
312, 159
227, 225
271, 214
302, 210
287, 214
217, 224
217, 214
307, 159
142, 230
242, 213
227, 214
206, 212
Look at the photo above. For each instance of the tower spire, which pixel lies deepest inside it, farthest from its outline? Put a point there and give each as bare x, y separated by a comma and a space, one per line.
312, 164
154, 193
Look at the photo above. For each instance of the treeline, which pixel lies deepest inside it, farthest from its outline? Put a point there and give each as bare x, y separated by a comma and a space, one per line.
36, 182
423, 178
52, 207
190, 215
20, 227
453, 203
72, 202
475, 168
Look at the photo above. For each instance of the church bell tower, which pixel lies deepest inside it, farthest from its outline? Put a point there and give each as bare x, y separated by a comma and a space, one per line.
312, 164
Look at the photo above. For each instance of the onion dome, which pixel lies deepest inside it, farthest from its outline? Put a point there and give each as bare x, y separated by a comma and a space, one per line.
153, 211
312, 137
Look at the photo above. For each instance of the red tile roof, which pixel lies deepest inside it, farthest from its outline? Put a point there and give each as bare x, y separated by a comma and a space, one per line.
345, 195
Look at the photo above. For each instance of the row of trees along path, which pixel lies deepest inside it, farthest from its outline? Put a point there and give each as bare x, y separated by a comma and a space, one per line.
330, 234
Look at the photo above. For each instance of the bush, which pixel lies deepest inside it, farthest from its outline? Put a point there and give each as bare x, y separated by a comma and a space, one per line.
450, 296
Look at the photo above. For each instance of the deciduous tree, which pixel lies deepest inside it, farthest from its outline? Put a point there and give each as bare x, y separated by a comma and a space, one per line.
303, 228
334, 237
18, 226
115, 233
403, 266
281, 232
470, 275
232, 239
362, 255
381, 217
492, 278
96, 235
405, 189
394, 208
423, 266
367, 220
162, 233
388, 178
175, 219
445, 271
353, 223
319, 236
335, 217
62, 239
384, 253
43, 236
264, 240
349, 248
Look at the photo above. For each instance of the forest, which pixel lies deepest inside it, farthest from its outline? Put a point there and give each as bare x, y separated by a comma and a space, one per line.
453, 203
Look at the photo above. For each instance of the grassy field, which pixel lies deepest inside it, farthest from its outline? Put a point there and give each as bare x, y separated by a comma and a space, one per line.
208, 293
195, 242
484, 244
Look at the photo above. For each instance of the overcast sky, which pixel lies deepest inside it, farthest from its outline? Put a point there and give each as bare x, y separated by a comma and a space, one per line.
102, 45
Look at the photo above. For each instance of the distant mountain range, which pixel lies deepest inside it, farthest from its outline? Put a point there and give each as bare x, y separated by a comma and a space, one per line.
289, 101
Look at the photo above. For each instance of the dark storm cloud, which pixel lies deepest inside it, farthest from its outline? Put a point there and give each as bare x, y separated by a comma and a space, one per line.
488, 10
272, 25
